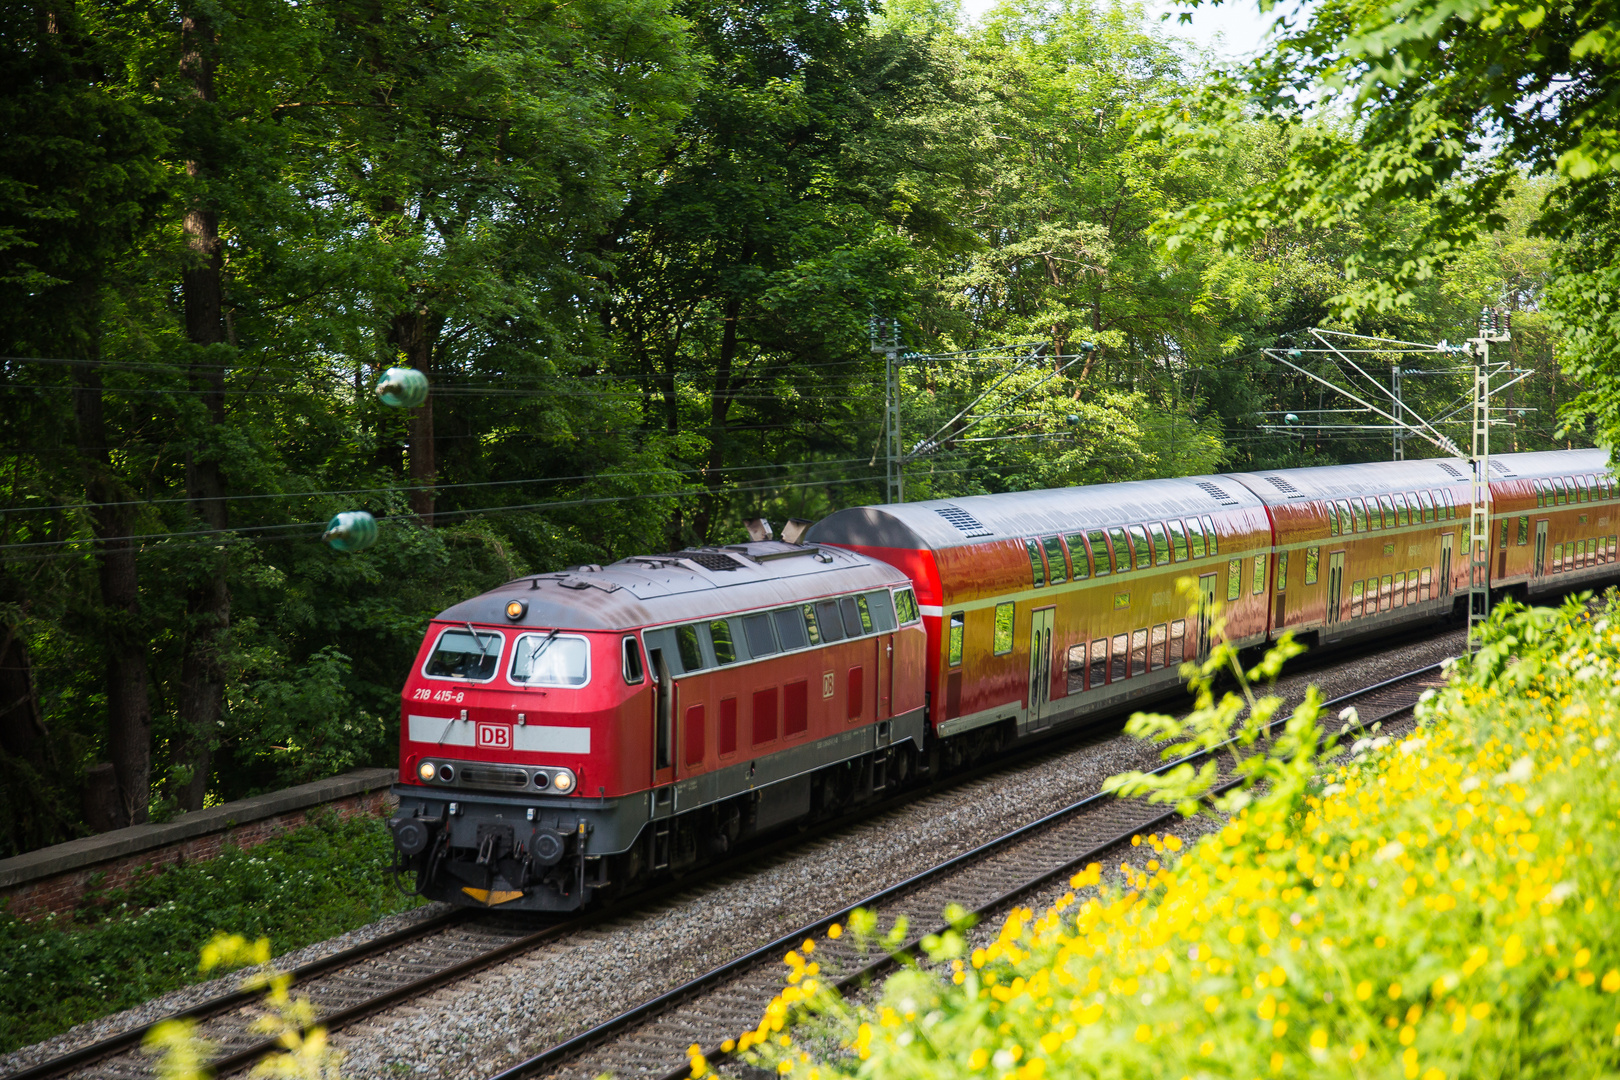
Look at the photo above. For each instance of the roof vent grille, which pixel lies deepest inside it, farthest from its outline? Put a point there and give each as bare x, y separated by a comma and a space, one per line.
1452, 471
1282, 485
1216, 493
1501, 468
964, 521
712, 560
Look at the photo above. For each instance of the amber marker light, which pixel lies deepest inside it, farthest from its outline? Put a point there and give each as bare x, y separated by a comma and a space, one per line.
516, 609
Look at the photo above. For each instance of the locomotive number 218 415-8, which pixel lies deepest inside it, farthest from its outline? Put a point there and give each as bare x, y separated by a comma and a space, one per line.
438, 695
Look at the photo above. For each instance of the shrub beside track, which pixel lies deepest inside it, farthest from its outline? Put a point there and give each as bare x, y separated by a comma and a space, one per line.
1442, 907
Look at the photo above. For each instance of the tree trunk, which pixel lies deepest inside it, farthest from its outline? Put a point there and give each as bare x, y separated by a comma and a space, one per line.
719, 414
415, 332
129, 715
208, 601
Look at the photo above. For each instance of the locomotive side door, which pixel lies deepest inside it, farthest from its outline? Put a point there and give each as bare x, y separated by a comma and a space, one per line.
1335, 586
885, 675
1206, 613
665, 702
1040, 668
1541, 547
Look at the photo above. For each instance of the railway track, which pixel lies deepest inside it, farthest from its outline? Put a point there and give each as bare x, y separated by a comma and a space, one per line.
357, 983
651, 1040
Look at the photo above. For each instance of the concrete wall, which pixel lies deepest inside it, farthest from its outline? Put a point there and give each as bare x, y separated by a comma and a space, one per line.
55, 879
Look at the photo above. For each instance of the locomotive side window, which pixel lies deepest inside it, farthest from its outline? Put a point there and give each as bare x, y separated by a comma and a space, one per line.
1037, 568
906, 606
1209, 534
1122, 551
1079, 556
460, 654
881, 607
690, 646
720, 634
790, 628
1234, 579
1313, 558
954, 643
549, 660
1195, 538
810, 624
1161, 543
634, 673
1139, 544
1178, 542
1004, 630
1098, 541
829, 622
852, 617
1059, 571
757, 632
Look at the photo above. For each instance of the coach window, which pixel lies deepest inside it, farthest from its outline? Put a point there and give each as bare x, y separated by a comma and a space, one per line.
1426, 513
1079, 556
905, 602
1178, 541
1195, 538
462, 655
690, 644
1347, 523
1004, 630
1389, 510
757, 632
1161, 543
829, 622
1401, 515
1358, 510
1355, 599
1541, 493
1557, 492
1037, 568
720, 634
1313, 557
634, 672
851, 611
1059, 572
1259, 574
1139, 545
1209, 535
954, 643
1282, 571
1234, 578
1122, 552
1524, 530
1097, 541
1333, 520
1451, 504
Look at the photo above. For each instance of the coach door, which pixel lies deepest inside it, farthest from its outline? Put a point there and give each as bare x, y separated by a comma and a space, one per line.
1206, 614
1040, 668
1335, 586
1445, 562
1541, 547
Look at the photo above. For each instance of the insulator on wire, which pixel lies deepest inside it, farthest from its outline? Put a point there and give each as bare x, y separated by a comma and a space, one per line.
402, 387
352, 530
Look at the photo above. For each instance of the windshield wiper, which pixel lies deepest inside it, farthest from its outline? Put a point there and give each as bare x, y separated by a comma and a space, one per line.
540, 648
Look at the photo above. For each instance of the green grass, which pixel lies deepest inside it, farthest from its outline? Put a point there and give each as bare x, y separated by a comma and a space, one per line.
127, 946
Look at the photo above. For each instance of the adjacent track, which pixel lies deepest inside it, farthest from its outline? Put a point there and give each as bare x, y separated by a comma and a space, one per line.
650, 1039
351, 985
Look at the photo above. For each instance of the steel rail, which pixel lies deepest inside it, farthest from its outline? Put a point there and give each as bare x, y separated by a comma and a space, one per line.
553, 1056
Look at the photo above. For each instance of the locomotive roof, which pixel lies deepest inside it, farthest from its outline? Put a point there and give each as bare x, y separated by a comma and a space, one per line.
646, 590
946, 523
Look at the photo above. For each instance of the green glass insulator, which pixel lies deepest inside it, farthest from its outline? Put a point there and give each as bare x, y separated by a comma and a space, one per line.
352, 530
402, 387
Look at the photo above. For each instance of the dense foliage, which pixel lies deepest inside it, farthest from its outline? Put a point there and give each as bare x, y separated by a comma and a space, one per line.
1433, 907
127, 946
635, 245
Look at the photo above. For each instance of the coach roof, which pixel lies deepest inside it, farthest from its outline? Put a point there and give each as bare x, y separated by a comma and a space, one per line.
649, 590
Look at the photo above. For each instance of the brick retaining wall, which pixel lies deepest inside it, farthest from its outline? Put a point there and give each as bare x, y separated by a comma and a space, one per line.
55, 879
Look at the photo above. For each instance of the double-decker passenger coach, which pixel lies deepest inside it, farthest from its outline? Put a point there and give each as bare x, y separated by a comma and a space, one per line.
571, 732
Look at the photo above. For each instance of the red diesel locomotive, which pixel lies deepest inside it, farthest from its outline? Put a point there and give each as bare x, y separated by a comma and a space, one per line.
576, 732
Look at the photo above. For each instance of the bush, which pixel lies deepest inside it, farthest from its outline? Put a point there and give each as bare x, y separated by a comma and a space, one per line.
1442, 907
129, 946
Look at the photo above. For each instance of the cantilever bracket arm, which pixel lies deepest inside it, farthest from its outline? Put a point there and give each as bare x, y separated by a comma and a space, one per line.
1435, 439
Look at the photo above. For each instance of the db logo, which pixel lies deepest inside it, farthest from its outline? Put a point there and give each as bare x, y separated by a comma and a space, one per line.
827, 684
498, 736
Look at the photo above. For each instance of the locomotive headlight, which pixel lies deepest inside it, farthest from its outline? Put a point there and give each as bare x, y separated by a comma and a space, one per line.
426, 770
562, 780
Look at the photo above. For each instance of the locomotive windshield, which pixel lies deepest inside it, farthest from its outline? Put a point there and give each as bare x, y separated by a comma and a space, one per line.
460, 655
549, 660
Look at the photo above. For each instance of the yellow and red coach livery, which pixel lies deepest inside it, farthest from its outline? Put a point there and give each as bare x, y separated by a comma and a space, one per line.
576, 732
